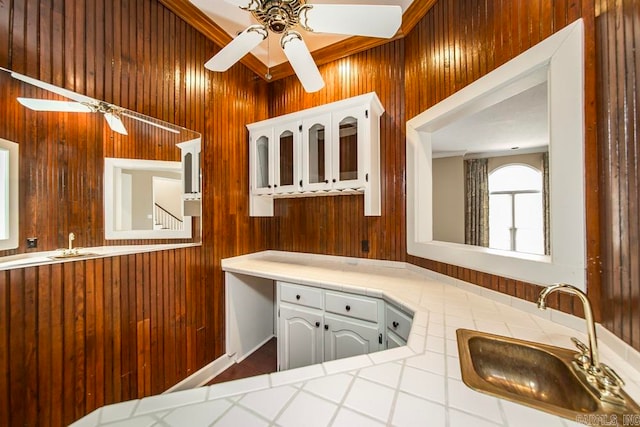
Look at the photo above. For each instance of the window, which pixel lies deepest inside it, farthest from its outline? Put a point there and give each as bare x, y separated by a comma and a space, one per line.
9, 179
516, 213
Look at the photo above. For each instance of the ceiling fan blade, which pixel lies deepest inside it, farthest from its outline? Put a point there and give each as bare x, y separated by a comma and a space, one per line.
302, 62
51, 105
352, 19
239, 47
149, 122
55, 89
115, 123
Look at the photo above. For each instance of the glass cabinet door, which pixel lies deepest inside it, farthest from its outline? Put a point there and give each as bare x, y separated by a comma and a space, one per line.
262, 151
348, 134
262, 181
317, 153
348, 149
286, 162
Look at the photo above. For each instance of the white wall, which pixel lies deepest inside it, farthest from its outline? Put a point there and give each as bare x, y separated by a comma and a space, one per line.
448, 199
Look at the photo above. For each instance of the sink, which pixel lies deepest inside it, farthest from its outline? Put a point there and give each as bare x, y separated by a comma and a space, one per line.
537, 375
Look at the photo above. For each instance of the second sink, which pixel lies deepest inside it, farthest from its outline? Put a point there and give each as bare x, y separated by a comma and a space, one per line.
534, 374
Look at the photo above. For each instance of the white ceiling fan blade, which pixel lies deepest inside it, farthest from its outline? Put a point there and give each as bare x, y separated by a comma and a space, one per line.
115, 123
55, 89
149, 122
352, 19
239, 47
302, 62
51, 105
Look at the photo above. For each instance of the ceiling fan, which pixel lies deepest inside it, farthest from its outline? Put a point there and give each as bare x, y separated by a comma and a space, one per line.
280, 16
81, 104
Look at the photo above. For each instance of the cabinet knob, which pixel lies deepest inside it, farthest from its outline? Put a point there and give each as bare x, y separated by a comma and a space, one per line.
317, 324
326, 327
326, 181
275, 185
348, 308
395, 324
300, 183
269, 186
297, 297
334, 180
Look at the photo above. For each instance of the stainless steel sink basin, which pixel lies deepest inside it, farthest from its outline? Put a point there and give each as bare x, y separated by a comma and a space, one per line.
537, 375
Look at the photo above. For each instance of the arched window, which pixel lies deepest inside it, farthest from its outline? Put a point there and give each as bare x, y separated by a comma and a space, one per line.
516, 220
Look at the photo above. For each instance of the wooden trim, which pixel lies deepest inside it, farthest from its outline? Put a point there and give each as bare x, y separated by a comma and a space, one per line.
414, 13
333, 52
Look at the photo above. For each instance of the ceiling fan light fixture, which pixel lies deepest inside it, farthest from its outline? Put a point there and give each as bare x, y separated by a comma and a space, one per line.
302, 62
239, 47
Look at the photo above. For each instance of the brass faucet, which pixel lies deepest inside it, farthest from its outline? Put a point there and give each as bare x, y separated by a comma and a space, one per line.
593, 364
605, 378
70, 251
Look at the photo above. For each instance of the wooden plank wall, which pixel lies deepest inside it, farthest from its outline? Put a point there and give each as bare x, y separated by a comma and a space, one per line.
61, 167
78, 335
458, 42
453, 45
337, 225
618, 66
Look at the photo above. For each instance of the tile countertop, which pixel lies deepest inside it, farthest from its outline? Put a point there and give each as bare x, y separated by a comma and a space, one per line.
415, 385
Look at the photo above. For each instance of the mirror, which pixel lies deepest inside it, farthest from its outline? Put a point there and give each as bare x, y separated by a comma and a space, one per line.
146, 200
452, 132
9, 181
489, 173
64, 138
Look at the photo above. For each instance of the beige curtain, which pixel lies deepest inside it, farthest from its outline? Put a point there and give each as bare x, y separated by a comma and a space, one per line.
476, 224
545, 202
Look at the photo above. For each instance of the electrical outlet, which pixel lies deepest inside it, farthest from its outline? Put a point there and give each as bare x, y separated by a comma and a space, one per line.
32, 242
365, 246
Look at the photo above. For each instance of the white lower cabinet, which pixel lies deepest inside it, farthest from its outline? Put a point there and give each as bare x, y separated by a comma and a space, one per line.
398, 326
349, 337
316, 328
301, 335
394, 340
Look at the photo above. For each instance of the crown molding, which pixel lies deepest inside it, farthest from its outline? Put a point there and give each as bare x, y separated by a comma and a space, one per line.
201, 22
414, 13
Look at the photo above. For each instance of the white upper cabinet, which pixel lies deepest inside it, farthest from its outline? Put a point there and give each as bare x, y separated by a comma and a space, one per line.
191, 179
332, 149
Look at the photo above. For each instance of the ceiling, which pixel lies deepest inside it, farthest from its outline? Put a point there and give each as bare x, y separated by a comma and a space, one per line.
233, 20
519, 122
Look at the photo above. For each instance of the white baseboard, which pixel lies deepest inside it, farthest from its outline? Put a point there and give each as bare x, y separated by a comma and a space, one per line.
212, 370
204, 374
250, 352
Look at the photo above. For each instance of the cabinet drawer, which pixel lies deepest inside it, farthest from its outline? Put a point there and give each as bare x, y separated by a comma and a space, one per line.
398, 322
302, 295
355, 306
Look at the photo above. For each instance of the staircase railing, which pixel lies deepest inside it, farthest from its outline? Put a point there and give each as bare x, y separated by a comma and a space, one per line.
165, 220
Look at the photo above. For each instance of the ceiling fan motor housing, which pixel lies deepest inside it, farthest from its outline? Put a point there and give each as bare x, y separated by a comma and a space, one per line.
278, 15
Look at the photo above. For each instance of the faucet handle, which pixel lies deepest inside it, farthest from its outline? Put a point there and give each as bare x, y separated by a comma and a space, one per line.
582, 359
611, 375
580, 345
